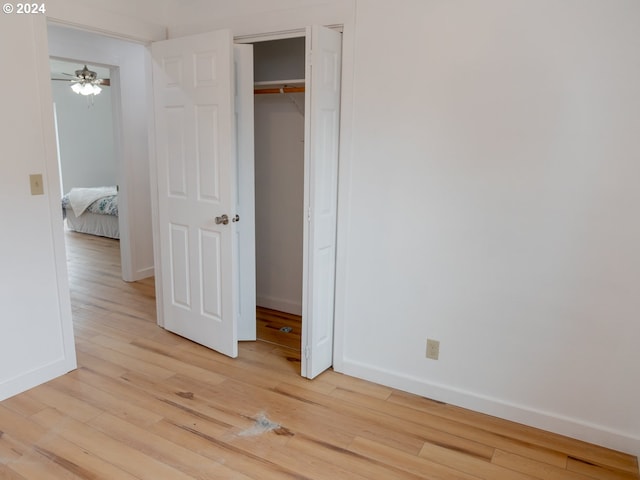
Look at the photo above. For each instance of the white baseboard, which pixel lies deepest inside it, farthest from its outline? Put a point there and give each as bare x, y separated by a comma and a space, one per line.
282, 305
35, 377
144, 273
571, 427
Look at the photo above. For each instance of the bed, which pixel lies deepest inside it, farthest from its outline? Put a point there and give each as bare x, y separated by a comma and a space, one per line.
92, 210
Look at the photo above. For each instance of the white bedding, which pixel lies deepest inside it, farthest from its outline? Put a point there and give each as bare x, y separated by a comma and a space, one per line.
94, 224
81, 198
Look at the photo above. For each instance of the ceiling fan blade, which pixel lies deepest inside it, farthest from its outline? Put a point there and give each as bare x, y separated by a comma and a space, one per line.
104, 82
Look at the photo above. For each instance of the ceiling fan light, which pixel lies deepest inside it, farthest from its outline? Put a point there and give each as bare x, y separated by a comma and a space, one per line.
87, 89
76, 87
96, 89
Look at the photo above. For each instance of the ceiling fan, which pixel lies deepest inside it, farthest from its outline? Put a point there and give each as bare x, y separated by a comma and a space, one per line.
85, 82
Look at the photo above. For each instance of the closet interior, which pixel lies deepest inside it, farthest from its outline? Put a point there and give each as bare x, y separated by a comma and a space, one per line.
279, 102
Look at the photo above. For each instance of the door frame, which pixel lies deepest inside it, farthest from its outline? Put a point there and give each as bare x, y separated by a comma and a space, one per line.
80, 53
307, 368
344, 22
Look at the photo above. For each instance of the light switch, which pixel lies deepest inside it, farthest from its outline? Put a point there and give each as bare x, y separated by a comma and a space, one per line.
36, 184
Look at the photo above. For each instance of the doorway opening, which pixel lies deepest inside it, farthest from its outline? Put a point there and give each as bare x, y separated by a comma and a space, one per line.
279, 132
125, 162
87, 150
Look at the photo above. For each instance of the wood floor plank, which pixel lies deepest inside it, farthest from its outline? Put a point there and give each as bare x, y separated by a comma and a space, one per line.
435, 432
410, 463
37, 464
463, 462
355, 384
394, 432
147, 404
205, 438
123, 360
29, 461
92, 466
305, 466
156, 402
353, 462
269, 324
10, 449
138, 354
6, 473
267, 356
236, 403
248, 368
24, 405
71, 406
202, 401
104, 367
107, 448
461, 421
106, 402
599, 472
535, 469
162, 449
21, 429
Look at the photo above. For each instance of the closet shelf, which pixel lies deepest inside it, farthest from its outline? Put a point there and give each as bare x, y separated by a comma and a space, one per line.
279, 86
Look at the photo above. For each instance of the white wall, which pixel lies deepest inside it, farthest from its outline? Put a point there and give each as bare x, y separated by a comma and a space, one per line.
36, 337
499, 142
36, 340
278, 60
130, 82
252, 17
85, 135
488, 199
279, 174
139, 20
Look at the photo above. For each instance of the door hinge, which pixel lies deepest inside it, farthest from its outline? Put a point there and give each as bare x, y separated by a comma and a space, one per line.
308, 214
306, 350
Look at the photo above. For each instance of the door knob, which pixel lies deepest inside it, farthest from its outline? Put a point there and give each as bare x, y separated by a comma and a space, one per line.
224, 220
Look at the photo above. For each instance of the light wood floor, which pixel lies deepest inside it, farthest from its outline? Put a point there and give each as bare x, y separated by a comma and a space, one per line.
146, 404
269, 324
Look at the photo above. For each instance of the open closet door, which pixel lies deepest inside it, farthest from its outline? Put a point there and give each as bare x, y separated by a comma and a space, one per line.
193, 83
245, 228
322, 126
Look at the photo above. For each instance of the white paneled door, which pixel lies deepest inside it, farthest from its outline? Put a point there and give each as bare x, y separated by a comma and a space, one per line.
322, 130
193, 81
204, 148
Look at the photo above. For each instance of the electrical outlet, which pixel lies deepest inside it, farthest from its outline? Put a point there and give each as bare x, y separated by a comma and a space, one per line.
433, 349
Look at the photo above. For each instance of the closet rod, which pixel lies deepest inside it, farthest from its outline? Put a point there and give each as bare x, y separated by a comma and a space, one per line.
261, 91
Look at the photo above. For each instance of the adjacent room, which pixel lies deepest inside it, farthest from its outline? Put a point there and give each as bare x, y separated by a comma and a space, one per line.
87, 147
